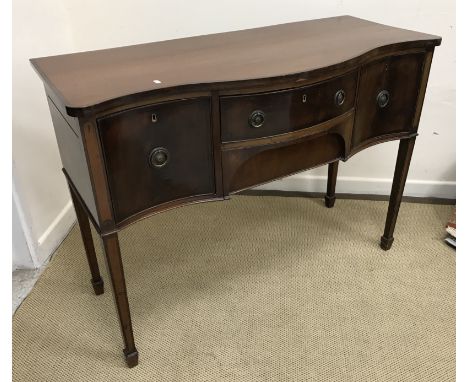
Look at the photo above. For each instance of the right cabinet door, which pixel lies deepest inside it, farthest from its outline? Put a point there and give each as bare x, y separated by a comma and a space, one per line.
387, 96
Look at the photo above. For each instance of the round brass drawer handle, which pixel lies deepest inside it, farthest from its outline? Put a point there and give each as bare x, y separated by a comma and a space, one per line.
159, 157
340, 97
257, 118
383, 98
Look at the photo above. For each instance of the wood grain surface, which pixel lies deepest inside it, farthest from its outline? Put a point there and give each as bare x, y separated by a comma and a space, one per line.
82, 80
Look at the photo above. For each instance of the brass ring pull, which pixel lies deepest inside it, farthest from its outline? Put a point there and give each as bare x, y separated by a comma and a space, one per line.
257, 118
383, 98
159, 157
340, 97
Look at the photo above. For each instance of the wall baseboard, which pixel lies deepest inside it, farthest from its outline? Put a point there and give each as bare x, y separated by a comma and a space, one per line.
53, 236
340, 196
363, 186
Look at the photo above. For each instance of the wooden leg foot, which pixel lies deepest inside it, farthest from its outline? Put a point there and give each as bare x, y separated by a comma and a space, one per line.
131, 358
330, 201
386, 243
98, 286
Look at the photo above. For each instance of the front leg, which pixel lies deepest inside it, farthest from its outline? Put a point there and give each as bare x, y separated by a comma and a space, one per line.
405, 152
116, 272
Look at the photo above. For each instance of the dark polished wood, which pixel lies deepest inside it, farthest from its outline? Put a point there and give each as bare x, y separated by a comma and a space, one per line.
182, 130
94, 78
331, 184
98, 175
83, 222
400, 76
73, 155
405, 152
146, 128
286, 110
253, 164
116, 273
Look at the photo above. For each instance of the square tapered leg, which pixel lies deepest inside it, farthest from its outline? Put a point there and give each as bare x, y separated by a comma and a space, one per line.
83, 222
405, 152
331, 184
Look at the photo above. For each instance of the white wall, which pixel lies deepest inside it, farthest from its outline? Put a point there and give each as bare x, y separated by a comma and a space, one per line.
39, 28
51, 27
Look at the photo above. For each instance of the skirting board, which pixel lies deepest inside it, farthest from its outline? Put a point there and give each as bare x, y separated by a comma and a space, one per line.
49, 241
362, 186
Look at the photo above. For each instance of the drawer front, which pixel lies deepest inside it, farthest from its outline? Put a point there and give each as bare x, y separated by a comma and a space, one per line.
260, 115
258, 163
250, 167
158, 153
388, 91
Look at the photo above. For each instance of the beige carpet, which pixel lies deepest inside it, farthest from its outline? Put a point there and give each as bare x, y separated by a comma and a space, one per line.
253, 289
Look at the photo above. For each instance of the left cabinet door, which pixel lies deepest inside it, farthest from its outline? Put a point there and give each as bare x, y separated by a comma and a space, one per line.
158, 153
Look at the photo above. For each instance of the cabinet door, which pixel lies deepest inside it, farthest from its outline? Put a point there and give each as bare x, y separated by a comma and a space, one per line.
387, 95
158, 153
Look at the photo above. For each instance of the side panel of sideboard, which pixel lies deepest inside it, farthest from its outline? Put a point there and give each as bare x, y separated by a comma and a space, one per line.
73, 156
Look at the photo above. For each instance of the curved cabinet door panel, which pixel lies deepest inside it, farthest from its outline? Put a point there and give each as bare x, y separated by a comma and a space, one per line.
158, 153
388, 91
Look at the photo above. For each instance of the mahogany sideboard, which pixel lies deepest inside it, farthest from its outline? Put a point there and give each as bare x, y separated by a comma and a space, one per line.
145, 128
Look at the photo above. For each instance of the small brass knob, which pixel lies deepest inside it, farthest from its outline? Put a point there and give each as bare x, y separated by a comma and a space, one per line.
159, 157
383, 98
340, 97
257, 118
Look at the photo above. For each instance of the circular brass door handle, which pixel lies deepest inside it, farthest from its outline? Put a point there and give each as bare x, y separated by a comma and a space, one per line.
257, 118
159, 157
340, 97
383, 98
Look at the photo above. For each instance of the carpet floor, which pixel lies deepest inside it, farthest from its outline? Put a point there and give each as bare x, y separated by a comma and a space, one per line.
253, 289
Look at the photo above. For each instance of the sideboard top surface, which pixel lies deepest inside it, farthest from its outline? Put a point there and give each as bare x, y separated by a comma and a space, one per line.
82, 80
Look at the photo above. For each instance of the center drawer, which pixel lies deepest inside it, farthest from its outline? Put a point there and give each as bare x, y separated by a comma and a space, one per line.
265, 114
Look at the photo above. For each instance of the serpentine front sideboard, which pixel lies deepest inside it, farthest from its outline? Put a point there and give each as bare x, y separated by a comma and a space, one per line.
145, 128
